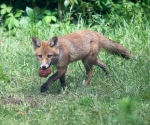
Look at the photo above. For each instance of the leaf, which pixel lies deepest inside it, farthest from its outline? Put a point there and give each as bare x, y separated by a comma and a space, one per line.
24, 20
10, 25
39, 23
11, 22
53, 18
3, 11
7, 21
9, 9
16, 22
47, 12
117, 6
46, 19
10, 15
3, 6
30, 12
18, 13
37, 10
75, 1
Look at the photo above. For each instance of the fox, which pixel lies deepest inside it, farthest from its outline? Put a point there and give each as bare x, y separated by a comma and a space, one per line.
84, 45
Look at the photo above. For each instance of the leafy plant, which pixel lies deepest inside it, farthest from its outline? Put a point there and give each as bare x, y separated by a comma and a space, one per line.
38, 11
49, 17
5, 9
11, 19
37, 14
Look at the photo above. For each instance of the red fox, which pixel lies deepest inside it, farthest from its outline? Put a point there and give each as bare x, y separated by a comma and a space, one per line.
80, 45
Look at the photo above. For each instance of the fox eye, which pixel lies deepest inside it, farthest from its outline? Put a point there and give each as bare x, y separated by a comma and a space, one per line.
40, 56
49, 56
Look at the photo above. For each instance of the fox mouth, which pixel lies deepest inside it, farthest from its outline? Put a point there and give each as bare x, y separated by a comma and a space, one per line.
44, 67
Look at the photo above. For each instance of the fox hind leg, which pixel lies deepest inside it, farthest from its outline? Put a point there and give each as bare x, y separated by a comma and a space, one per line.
88, 64
102, 65
89, 73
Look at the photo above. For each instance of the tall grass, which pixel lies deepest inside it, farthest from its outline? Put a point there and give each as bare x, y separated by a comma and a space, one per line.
120, 99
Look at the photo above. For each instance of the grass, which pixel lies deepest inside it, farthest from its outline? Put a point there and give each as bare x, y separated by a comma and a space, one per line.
121, 99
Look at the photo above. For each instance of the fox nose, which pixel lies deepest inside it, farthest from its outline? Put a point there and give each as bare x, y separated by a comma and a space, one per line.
43, 67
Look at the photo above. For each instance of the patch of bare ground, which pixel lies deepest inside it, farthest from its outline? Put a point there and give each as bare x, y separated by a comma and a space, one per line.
29, 100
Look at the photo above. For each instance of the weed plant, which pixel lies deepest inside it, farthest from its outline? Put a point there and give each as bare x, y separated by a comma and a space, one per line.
123, 98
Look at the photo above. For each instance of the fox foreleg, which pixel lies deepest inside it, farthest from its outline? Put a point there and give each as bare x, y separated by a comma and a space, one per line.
60, 74
62, 81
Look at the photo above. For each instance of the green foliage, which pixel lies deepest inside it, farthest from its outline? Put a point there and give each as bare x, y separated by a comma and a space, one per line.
14, 18
37, 14
49, 17
5, 9
11, 19
93, 12
96, 11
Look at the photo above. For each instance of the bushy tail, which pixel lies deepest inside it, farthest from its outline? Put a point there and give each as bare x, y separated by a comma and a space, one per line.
115, 48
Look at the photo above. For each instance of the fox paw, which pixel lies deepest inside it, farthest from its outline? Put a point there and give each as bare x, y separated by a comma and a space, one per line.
43, 88
85, 83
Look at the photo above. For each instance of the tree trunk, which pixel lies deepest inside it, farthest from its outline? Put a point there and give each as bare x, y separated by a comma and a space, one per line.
60, 9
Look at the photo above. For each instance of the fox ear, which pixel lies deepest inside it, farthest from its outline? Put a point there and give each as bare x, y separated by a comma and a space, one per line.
36, 42
53, 41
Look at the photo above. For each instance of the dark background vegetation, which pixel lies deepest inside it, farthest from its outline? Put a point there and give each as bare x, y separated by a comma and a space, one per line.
52, 11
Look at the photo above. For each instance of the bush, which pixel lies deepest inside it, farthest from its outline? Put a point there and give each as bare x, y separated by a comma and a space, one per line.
92, 12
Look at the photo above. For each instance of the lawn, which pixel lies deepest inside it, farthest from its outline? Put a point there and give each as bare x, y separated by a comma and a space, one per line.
123, 98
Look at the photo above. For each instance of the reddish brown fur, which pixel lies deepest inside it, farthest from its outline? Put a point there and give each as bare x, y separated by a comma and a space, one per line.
84, 45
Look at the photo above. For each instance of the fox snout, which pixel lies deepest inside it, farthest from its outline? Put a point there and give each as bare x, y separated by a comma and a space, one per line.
44, 65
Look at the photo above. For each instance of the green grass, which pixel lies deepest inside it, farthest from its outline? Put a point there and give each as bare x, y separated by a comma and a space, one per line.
123, 98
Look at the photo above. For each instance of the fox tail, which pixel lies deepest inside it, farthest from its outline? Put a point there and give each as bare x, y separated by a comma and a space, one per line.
116, 48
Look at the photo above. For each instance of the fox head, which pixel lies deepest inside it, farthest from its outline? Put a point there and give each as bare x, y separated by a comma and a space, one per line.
46, 52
